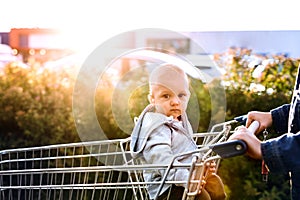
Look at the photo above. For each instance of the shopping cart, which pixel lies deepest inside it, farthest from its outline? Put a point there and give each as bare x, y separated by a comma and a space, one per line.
101, 170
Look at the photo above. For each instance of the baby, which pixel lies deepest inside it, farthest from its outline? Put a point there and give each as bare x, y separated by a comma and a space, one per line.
163, 131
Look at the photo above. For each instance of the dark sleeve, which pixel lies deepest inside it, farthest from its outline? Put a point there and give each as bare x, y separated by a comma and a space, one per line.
281, 154
280, 118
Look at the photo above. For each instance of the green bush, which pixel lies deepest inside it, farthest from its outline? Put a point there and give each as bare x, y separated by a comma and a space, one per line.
245, 92
35, 107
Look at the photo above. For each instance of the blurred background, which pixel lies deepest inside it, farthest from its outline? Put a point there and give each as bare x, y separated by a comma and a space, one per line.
253, 47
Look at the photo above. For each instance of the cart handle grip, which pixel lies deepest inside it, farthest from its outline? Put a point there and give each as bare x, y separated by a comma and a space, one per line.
253, 127
235, 147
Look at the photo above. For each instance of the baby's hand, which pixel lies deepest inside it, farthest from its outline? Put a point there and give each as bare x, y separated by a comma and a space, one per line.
211, 166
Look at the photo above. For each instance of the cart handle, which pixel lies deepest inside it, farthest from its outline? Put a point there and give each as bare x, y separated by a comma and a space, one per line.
253, 127
235, 147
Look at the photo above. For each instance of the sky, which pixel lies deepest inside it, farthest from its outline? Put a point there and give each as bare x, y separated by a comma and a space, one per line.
102, 20
118, 15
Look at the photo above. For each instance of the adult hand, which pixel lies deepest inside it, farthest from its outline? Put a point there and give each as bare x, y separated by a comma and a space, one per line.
253, 143
264, 119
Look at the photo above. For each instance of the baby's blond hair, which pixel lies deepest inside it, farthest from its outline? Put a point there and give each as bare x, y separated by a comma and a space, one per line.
165, 75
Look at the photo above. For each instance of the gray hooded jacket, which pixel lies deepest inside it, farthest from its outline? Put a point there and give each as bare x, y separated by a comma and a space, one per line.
156, 139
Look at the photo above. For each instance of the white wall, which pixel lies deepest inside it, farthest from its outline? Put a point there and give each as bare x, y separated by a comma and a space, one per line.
272, 42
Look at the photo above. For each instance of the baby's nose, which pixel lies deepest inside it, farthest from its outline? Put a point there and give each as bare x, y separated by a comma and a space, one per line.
175, 100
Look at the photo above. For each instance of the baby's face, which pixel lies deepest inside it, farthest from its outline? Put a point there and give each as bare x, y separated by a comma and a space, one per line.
169, 102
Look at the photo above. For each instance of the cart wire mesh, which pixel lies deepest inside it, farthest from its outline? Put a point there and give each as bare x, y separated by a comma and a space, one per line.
94, 170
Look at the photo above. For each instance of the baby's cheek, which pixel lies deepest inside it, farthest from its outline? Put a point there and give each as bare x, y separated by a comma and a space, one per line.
184, 105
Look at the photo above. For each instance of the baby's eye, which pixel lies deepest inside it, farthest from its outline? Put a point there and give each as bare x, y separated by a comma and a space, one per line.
166, 96
181, 95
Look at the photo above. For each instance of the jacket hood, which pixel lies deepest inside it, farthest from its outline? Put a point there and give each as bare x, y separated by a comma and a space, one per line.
146, 123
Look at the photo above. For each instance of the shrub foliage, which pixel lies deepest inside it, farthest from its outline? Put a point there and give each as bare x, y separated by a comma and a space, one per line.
254, 82
36, 109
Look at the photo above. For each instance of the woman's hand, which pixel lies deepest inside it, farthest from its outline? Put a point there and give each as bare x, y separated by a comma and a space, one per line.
253, 143
264, 119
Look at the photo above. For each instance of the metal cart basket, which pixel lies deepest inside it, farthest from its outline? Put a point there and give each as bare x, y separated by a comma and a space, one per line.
101, 170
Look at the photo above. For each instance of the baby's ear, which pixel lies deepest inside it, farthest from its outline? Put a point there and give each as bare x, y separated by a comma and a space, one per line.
150, 98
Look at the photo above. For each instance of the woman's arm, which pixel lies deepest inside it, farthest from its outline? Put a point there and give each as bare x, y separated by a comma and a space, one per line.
282, 153
280, 118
